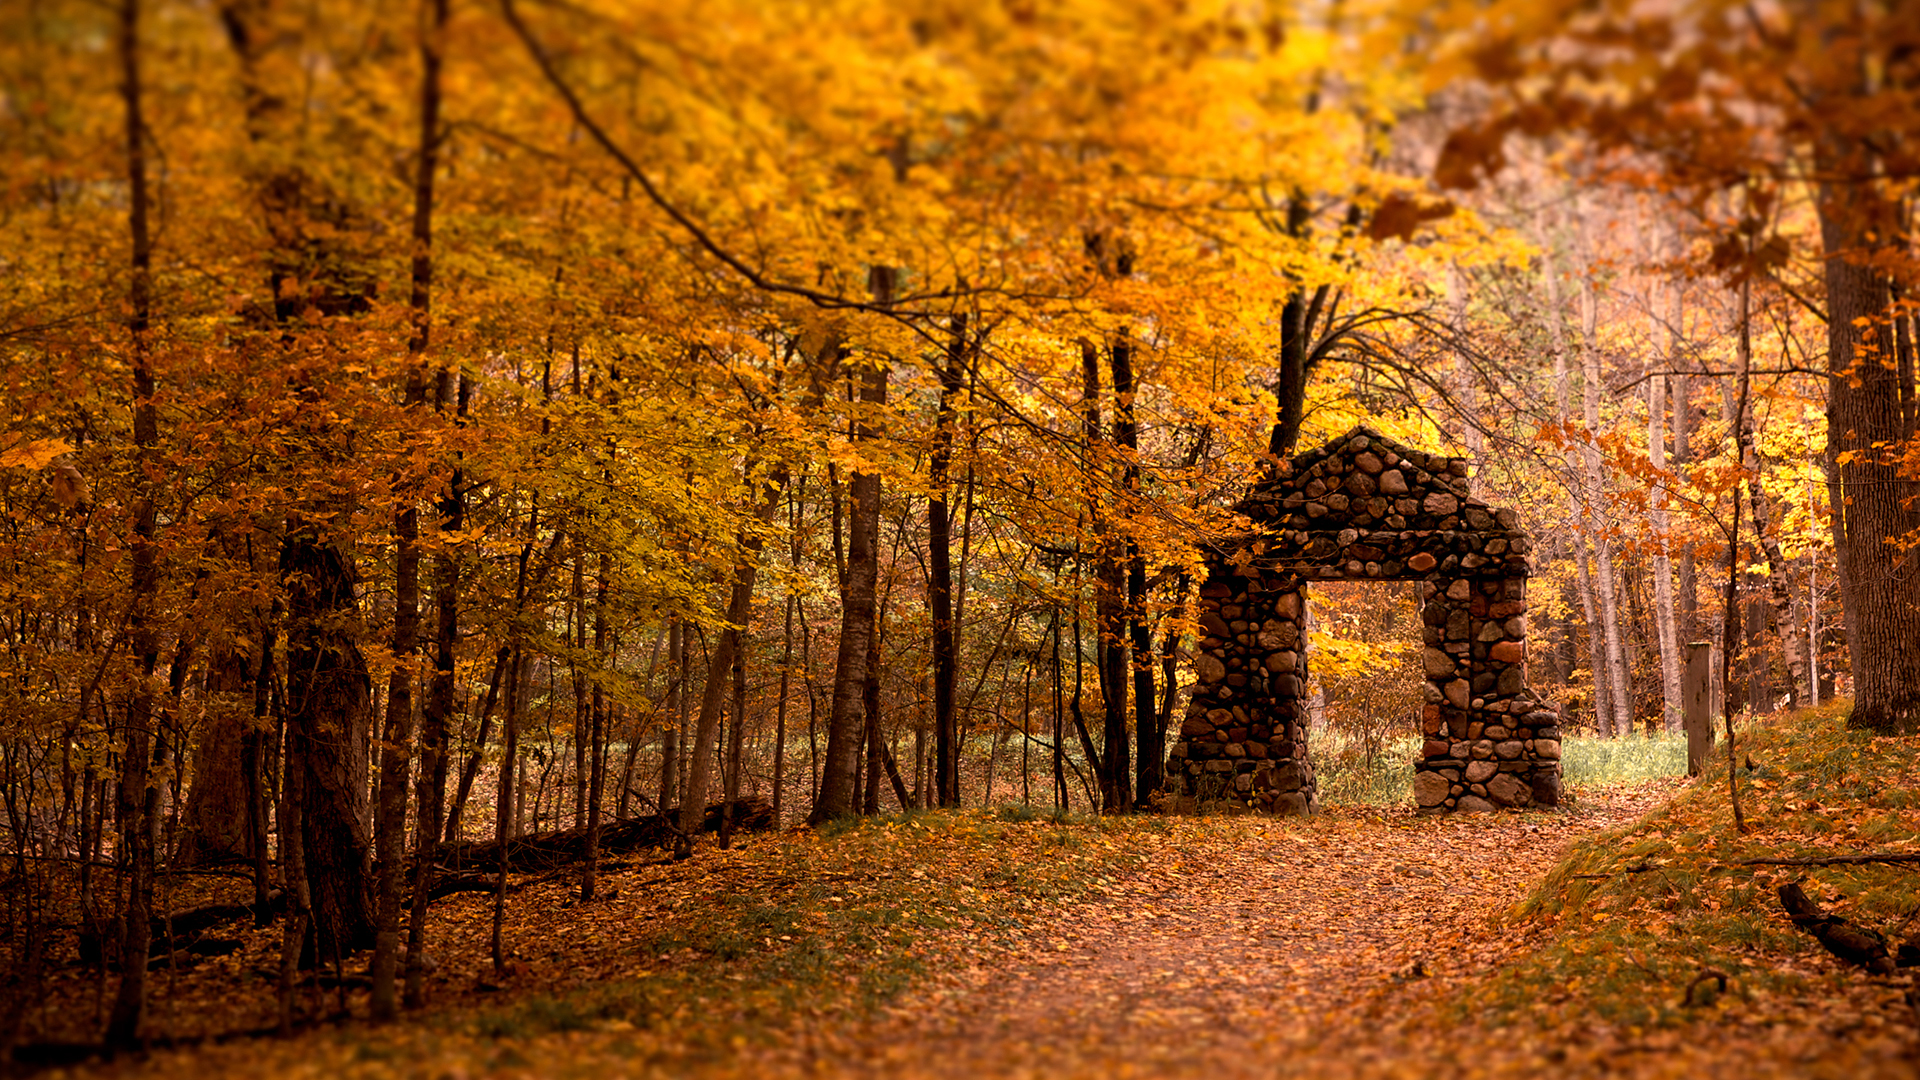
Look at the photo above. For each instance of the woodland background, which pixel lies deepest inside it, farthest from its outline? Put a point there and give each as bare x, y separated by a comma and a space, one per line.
439, 422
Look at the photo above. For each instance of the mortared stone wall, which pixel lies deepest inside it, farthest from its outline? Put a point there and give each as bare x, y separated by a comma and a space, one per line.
1366, 508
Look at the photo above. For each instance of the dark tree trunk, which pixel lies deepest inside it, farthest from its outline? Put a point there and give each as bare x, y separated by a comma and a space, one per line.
390, 833
256, 764
137, 805
676, 713
1149, 740
597, 733
946, 766
436, 721
1291, 389
214, 824
1687, 588
1109, 605
1875, 505
327, 703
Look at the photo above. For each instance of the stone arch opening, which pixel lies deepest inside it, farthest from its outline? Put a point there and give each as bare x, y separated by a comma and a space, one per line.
1366, 508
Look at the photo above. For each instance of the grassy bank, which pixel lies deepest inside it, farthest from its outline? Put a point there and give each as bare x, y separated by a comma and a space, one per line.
1642, 925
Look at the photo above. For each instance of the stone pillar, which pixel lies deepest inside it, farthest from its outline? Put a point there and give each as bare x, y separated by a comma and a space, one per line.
1488, 742
1243, 743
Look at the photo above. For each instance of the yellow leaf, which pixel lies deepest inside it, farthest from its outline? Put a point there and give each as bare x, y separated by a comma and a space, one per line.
34, 455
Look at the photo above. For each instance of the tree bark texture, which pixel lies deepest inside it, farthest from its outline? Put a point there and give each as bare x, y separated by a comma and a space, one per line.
328, 693
1874, 505
858, 603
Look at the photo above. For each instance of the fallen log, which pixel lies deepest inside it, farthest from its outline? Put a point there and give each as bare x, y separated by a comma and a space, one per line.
1847, 940
544, 851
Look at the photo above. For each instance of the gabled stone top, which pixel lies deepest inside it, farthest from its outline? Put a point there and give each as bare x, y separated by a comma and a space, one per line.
1366, 506
1365, 480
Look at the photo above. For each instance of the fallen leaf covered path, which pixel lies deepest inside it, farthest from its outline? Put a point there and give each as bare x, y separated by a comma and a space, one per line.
1320, 947
1237, 958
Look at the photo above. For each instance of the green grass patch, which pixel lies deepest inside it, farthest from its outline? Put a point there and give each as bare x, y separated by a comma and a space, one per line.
1351, 773
1586, 760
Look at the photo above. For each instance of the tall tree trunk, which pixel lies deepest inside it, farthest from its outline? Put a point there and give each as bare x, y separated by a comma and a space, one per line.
395, 756
780, 712
1874, 505
597, 731
293, 868
436, 722
946, 767
693, 800
1663, 621
1110, 616
1686, 608
254, 766
506, 809
137, 805
675, 710
328, 693
1149, 739
858, 601
1577, 497
1291, 389
735, 753
1596, 492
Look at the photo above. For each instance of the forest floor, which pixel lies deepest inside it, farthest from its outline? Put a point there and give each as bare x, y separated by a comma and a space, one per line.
1357, 943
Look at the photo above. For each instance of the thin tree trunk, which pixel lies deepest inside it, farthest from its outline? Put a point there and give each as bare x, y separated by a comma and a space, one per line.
1779, 573
137, 804
436, 722
1148, 737
1579, 518
1662, 563
395, 756
1596, 488
940, 571
735, 753
293, 868
506, 810
254, 767
597, 732
1109, 606
676, 711
739, 608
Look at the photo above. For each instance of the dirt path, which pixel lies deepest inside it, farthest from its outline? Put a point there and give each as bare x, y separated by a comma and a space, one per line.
1251, 959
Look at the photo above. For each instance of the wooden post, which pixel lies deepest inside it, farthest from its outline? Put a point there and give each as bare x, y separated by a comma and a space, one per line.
1696, 717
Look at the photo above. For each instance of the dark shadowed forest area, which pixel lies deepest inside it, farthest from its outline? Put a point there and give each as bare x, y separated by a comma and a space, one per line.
911, 537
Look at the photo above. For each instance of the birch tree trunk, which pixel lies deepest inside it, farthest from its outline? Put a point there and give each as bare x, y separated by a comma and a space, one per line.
1662, 524
1596, 488
1578, 517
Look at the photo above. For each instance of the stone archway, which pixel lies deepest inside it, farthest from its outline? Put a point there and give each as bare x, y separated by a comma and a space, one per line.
1366, 508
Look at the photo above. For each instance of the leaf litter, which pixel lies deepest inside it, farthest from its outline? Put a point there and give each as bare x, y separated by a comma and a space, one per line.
1358, 943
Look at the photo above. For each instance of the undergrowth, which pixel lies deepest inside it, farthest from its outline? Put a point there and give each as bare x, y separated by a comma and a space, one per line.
1644, 920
